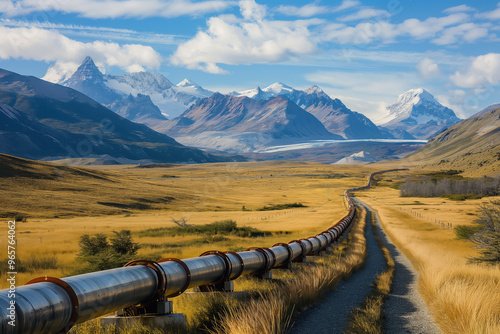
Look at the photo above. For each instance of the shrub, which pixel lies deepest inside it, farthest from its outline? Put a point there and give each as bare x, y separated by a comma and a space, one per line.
281, 206
101, 254
465, 231
487, 239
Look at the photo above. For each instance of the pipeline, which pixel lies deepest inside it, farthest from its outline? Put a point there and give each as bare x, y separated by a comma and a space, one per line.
51, 305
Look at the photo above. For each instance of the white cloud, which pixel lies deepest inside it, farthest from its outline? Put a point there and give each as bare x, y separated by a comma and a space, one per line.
253, 39
444, 30
428, 68
468, 32
98, 32
459, 9
366, 13
491, 15
115, 8
313, 9
483, 71
49, 45
304, 11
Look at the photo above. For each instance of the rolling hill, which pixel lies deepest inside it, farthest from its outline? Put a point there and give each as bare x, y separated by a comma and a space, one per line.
472, 145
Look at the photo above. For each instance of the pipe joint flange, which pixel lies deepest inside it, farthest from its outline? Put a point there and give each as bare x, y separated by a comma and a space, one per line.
289, 250
309, 243
227, 262
267, 260
160, 273
75, 304
186, 269
242, 264
301, 246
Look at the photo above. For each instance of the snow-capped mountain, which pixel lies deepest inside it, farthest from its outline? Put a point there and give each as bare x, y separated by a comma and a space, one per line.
418, 113
109, 90
241, 124
335, 116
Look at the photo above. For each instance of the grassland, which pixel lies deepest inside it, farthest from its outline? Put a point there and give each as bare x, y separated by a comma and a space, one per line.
463, 298
63, 203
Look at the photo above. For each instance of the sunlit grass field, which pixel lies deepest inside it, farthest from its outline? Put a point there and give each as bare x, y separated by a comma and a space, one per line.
462, 297
200, 193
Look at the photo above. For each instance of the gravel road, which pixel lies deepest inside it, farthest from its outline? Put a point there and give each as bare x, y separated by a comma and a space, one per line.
331, 314
405, 311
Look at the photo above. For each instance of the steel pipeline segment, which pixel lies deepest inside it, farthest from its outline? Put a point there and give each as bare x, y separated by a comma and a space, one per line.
51, 305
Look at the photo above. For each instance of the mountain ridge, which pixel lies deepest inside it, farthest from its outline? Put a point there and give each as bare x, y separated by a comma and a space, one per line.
335, 116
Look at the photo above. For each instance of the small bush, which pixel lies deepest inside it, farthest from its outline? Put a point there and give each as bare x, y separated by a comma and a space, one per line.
487, 239
101, 253
223, 227
465, 232
281, 206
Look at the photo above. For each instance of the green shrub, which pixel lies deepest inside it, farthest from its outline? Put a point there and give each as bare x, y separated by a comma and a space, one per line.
281, 206
223, 227
466, 231
101, 254
487, 239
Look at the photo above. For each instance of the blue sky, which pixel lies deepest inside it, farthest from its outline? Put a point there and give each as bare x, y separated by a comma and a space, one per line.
364, 52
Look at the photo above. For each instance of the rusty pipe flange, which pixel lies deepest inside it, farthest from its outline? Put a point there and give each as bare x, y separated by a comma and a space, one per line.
274, 257
227, 262
301, 246
266, 257
322, 234
319, 242
304, 239
75, 304
242, 264
160, 273
289, 250
186, 269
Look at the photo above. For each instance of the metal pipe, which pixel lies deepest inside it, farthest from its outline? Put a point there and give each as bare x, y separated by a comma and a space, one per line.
53, 306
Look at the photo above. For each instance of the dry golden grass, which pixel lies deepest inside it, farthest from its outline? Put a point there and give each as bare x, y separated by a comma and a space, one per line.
462, 298
299, 288
201, 193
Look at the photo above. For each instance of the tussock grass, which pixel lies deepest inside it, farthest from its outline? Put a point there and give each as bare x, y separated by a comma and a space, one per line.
369, 318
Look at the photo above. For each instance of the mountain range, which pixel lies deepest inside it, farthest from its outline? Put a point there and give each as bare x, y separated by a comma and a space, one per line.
335, 116
41, 120
238, 123
113, 90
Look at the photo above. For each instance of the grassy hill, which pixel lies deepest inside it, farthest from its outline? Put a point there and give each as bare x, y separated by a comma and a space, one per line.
472, 145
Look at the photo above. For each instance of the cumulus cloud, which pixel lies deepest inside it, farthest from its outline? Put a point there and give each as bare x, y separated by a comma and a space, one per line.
444, 30
115, 8
428, 68
252, 39
483, 71
49, 45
